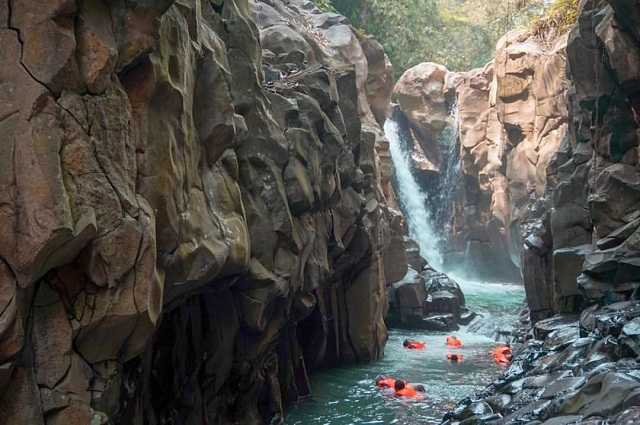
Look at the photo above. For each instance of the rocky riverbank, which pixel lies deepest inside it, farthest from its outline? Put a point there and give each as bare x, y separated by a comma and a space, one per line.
567, 370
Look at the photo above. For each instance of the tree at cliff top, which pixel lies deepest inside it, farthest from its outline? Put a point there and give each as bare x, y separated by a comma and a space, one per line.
460, 34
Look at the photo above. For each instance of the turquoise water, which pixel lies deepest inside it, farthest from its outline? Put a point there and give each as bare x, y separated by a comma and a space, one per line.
347, 395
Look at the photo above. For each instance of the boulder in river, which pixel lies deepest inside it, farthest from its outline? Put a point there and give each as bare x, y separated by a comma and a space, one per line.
429, 300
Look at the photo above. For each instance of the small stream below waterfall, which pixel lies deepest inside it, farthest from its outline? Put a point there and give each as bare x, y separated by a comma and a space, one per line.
347, 395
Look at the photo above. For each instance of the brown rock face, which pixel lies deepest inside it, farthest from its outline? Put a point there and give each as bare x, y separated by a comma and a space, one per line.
511, 118
420, 92
603, 150
571, 160
189, 223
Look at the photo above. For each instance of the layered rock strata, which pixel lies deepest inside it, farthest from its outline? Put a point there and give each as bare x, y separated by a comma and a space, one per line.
193, 213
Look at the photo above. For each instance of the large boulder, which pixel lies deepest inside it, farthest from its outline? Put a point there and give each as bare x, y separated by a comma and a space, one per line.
429, 300
421, 94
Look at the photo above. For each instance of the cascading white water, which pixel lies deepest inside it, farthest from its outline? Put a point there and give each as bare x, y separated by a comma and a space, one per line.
450, 180
412, 198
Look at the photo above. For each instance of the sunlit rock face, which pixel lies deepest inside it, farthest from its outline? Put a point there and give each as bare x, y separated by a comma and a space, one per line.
194, 208
420, 92
511, 118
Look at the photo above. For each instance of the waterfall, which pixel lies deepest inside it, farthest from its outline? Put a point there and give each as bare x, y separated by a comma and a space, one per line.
450, 177
424, 210
413, 200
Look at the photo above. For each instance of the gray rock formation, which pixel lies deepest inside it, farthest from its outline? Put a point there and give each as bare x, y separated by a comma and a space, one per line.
581, 259
193, 214
572, 370
427, 300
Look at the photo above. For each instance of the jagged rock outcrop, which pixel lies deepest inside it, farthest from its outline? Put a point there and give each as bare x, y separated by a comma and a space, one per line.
571, 370
193, 214
586, 252
428, 300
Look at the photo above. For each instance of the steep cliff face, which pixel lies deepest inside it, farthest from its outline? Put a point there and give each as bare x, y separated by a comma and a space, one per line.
506, 148
588, 232
193, 213
581, 257
548, 145
510, 117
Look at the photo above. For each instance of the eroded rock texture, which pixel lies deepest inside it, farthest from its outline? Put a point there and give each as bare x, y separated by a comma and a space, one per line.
571, 371
580, 250
193, 210
510, 118
548, 159
578, 364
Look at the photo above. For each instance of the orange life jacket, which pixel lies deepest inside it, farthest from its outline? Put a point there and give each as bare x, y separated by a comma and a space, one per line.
408, 391
452, 341
416, 345
502, 354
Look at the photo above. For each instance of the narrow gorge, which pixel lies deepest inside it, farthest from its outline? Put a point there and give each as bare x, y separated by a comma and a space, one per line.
236, 211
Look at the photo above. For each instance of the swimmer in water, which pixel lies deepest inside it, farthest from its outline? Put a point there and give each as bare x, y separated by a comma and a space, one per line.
404, 389
453, 341
502, 354
412, 344
385, 382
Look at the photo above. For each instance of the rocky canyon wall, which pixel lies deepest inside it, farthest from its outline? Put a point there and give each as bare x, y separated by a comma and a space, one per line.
509, 118
548, 147
193, 211
581, 256
588, 231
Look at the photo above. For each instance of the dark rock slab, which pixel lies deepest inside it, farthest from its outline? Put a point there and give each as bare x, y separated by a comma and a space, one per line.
544, 327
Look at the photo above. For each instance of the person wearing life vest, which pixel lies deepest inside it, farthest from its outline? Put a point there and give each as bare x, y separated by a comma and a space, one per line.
385, 382
403, 389
452, 341
502, 354
412, 344
454, 357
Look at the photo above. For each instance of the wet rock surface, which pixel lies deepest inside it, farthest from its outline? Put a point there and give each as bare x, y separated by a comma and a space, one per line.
565, 371
194, 208
428, 300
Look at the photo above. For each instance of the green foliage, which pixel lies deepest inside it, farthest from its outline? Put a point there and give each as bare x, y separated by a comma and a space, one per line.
557, 19
325, 5
461, 34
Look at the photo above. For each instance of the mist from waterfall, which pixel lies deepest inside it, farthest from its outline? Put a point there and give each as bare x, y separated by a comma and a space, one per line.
413, 200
